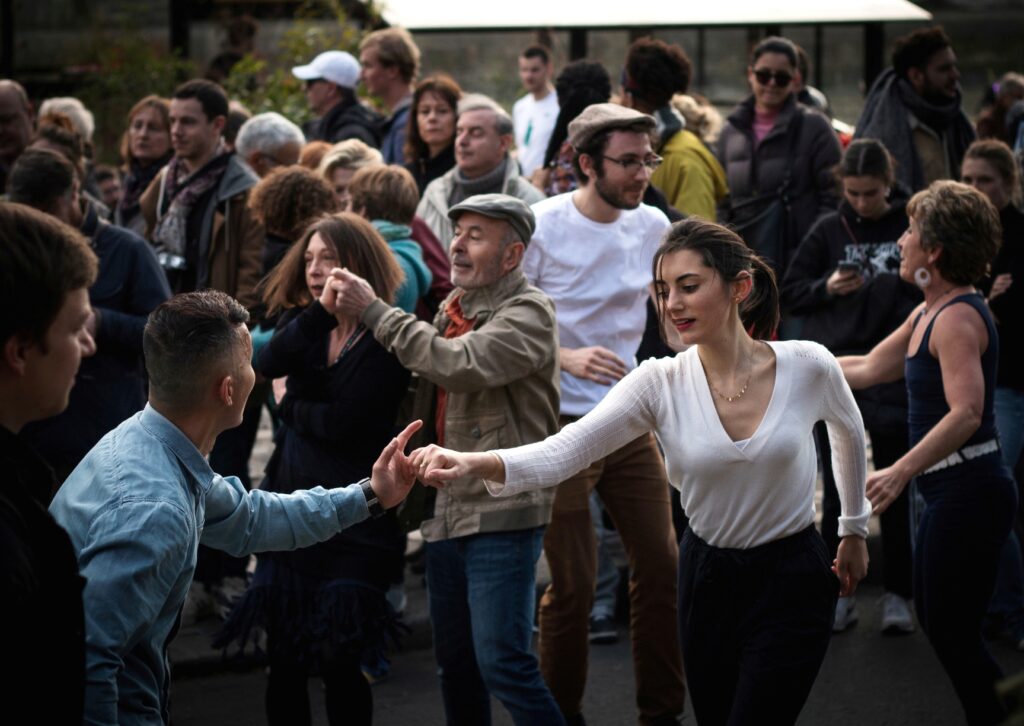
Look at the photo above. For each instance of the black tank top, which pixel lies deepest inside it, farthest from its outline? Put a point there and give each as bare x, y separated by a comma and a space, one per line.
927, 400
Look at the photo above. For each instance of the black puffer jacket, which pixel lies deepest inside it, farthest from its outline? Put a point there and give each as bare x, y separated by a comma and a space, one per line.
759, 170
348, 120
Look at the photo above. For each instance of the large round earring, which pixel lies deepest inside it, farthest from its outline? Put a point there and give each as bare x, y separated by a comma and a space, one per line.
922, 278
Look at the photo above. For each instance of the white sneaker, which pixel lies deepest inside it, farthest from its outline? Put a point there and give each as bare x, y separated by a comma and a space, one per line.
896, 616
846, 614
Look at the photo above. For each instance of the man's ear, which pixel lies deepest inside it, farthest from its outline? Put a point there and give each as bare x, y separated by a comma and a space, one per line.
588, 166
226, 390
14, 354
513, 255
916, 78
220, 122
506, 142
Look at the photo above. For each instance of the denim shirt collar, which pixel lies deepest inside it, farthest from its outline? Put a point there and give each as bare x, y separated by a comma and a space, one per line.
161, 428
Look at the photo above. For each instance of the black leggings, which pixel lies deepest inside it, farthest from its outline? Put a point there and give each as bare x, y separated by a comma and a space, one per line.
966, 521
754, 626
347, 693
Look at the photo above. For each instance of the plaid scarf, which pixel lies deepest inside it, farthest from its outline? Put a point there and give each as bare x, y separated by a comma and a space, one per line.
180, 194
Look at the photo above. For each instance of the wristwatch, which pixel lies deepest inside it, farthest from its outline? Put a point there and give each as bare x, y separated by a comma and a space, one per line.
372, 502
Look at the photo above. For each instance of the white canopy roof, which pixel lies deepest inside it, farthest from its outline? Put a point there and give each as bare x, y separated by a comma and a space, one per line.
529, 14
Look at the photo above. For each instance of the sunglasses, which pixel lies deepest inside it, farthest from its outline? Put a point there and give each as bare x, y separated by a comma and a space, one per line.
313, 81
765, 76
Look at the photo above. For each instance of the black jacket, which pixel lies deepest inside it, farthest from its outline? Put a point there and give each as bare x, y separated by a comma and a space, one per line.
347, 120
425, 171
111, 385
42, 625
1008, 308
855, 323
759, 170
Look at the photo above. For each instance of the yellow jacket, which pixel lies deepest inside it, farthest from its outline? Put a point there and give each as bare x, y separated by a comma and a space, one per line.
690, 176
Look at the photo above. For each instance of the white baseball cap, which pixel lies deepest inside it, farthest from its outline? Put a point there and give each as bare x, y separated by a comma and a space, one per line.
335, 66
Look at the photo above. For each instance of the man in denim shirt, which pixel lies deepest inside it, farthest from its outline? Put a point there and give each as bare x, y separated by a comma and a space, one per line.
138, 505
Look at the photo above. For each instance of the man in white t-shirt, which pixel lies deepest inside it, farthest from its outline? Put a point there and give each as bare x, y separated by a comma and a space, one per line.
592, 253
534, 114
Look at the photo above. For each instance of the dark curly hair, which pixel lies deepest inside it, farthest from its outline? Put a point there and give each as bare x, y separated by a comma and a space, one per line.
289, 198
655, 71
914, 49
580, 84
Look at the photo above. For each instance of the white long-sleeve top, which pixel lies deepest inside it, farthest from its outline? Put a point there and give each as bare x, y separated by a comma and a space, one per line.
736, 494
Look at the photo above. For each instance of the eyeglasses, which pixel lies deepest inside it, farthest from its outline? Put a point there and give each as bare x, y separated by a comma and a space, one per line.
764, 77
312, 81
632, 166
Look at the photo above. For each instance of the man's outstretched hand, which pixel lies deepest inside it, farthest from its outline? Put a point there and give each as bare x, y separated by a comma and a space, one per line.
394, 473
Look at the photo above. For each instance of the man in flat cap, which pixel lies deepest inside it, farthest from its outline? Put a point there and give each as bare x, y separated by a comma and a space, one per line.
592, 252
331, 80
488, 378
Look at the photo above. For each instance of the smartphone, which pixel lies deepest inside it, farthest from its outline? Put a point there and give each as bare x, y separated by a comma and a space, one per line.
849, 267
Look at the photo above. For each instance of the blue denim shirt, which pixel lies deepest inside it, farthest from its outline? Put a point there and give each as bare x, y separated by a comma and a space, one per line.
136, 509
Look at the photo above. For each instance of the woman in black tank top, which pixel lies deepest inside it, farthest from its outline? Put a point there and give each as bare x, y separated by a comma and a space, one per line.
948, 350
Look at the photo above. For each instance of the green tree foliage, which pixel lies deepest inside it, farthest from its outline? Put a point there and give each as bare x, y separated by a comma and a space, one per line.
124, 67
267, 84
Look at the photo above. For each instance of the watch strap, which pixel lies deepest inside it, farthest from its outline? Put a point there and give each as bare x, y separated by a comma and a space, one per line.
372, 502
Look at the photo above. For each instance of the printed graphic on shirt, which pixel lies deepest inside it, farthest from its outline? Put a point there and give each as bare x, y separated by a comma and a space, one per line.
873, 258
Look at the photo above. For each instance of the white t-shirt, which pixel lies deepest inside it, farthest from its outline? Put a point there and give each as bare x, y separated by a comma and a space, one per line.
735, 496
534, 121
598, 276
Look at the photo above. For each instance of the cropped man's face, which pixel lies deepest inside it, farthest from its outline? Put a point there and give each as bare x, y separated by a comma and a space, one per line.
53, 364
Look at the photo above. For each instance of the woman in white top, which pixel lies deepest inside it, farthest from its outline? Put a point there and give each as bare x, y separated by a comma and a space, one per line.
734, 415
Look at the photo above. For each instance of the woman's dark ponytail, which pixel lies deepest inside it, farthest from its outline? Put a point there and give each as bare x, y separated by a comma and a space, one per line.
760, 311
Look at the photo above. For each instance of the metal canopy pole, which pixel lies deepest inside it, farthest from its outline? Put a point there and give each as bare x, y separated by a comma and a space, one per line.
577, 43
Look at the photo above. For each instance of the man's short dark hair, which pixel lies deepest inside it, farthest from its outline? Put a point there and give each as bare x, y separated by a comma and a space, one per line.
185, 339
41, 261
914, 50
538, 51
595, 150
656, 70
210, 96
39, 178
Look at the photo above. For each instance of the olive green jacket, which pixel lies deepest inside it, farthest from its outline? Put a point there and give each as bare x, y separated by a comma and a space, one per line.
502, 384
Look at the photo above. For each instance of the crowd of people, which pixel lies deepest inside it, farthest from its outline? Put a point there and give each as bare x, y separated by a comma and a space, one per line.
609, 308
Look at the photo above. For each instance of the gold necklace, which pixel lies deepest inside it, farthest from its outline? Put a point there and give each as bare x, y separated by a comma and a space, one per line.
743, 390
925, 310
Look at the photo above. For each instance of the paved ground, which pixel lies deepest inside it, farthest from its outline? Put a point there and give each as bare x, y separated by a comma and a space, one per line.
867, 678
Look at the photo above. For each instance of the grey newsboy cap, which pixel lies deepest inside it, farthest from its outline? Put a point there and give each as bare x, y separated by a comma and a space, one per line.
500, 206
600, 117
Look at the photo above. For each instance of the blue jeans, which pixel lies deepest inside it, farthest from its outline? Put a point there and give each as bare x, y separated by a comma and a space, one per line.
1008, 597
1009, 409
482, 591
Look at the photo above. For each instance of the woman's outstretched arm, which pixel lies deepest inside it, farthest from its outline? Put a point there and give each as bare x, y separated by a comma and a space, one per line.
628, 411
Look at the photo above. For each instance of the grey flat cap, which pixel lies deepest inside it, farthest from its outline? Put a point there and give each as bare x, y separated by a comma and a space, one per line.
500, 206
600, 117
